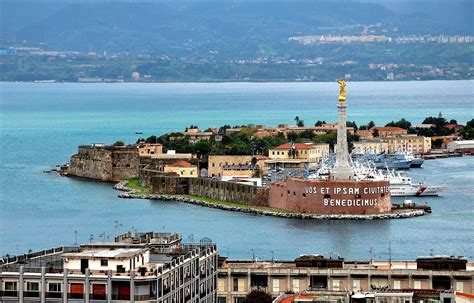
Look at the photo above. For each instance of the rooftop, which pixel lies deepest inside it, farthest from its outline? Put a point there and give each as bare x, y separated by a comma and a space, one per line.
113, 253
181, 163
296, 146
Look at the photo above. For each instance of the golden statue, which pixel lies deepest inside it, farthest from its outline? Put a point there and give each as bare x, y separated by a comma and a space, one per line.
342, 91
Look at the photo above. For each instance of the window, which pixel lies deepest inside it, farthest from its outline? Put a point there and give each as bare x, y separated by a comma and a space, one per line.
10, 286
54, 287
236, 284
32, 286
104, 263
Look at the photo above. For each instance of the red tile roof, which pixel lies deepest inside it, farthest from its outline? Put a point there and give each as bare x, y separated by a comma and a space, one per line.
297, 146
181, 163
453, 126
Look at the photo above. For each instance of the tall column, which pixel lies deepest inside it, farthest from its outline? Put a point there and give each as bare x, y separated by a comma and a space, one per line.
132, 286
65, 286
109, 286
43, 285
21, 285
87, 286
342, 169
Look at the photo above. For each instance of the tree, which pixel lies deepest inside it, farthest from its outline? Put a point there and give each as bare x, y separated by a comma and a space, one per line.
300, 123
292, 136
202, 148
258, 296
370, 125
319, 123
297, 120
119, 143
467, 132
402, 123
470, 123
351, 124
453, 121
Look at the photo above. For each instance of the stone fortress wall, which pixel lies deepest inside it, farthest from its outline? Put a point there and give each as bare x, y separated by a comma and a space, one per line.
105, 163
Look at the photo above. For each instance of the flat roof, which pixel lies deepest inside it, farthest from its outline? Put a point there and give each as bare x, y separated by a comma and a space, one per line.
118, 253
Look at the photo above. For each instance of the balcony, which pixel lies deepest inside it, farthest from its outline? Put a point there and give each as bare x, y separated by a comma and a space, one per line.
9, 293
31, 294
73, 295
56, 294
121, 297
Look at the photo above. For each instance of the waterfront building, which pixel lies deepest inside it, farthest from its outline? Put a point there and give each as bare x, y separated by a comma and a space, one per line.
409, 143
234, 165
374, 146
182, 168
296, 154
137, 267
387, 131
466, 146
424, 280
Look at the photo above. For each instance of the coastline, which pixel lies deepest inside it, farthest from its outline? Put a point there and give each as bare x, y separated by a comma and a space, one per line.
131, 193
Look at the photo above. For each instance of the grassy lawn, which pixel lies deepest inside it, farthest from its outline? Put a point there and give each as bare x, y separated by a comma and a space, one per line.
134, 183
236, 204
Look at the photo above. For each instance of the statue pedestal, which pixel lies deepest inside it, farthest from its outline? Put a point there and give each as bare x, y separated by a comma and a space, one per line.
342, 170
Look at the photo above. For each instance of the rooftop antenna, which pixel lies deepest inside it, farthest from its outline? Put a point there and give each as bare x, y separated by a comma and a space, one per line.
75, 236
390, 253
116, 227
371, 252
253, 255
91, 238
273, 256
431, 252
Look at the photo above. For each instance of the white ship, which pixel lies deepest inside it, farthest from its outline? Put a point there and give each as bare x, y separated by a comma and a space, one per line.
401, 185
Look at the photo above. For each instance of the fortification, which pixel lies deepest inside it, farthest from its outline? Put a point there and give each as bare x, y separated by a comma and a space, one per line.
105, 163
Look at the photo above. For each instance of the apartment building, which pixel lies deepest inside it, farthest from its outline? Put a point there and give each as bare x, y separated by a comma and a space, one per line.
336, 280
137, 267
409, 143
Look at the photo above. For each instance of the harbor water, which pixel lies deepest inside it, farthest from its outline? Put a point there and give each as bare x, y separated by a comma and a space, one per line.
42, 125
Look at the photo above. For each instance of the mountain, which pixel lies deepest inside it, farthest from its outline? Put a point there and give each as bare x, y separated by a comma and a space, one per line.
227, 28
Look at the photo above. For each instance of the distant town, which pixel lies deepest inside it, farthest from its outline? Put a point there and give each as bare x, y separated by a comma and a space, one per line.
394, 61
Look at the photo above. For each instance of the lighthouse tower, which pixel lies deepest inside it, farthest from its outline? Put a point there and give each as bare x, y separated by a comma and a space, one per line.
342, 170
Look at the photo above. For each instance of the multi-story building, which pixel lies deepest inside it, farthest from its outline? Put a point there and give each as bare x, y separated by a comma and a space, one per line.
296, 154
137, 267
337, 280
409, 143
375, 146
228, 165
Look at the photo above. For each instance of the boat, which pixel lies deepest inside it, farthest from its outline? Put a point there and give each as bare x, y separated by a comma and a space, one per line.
401, 185
415, 161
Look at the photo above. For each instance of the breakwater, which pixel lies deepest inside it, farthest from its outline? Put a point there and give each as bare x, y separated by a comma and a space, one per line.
132, 194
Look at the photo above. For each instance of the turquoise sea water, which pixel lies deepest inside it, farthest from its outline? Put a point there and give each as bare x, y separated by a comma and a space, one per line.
42, 124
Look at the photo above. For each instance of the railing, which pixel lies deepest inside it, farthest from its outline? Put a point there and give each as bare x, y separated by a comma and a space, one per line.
120, 296
145, 297
9, 293
54, 294
98, 296
31, 294
75, 295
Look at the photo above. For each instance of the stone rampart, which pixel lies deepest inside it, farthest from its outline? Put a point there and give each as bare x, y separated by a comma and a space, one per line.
105, 163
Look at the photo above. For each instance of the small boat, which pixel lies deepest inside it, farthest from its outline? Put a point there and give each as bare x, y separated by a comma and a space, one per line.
138, 133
